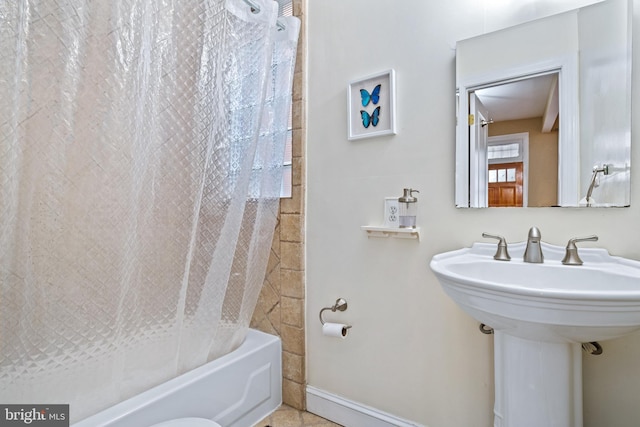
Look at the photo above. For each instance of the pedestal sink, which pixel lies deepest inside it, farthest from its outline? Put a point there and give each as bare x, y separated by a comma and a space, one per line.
541, 314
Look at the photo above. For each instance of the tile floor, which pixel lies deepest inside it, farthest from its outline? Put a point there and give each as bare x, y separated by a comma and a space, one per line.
286, 416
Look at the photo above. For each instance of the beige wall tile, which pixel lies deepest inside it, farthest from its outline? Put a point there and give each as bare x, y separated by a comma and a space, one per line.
297, 147
293, 204
292, 228
292, 339
297, 166
293, 394
298, 114
292, 311
292, 283
293, 367
292, 256
274, 317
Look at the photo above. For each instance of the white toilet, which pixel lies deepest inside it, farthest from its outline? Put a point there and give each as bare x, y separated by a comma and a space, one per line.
187, 422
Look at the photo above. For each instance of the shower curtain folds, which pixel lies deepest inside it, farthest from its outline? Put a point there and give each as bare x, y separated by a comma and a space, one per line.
141, 151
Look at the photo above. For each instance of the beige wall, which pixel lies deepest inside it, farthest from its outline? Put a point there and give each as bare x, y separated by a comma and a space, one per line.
412, 352
543, 158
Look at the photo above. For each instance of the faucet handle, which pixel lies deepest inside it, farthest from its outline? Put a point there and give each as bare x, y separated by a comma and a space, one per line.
571, 255
501, 254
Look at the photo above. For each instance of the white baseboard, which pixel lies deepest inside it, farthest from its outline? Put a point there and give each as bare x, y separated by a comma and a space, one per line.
349, 413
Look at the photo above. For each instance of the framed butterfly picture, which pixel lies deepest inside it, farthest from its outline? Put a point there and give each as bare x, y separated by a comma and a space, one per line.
371, 106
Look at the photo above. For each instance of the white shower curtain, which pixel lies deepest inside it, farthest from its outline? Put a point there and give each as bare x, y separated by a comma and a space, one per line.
141, 150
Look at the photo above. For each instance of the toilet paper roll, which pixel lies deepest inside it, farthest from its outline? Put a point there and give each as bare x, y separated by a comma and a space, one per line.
335, 330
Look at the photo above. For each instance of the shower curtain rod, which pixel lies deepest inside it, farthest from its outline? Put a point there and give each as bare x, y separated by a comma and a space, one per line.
256, 9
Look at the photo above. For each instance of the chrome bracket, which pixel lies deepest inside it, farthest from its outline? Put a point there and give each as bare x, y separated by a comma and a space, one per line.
340, 305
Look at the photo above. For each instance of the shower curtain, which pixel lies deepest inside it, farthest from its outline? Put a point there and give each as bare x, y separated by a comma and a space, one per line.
141, 151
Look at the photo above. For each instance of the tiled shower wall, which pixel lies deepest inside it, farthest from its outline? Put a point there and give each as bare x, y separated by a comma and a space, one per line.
280, 309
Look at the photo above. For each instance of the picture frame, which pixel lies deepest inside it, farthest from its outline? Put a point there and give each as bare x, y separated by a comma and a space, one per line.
371, 106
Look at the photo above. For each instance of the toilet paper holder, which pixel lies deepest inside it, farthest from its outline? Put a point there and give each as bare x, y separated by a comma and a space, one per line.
340, 305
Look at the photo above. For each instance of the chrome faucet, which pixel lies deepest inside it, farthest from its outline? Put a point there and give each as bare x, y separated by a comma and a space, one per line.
533, 252
571, 254
502, 254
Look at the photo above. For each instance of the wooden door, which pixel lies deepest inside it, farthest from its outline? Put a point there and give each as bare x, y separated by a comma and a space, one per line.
505, 184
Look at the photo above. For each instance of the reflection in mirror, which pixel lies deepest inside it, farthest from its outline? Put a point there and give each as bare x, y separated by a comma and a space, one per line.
522, 141
543, 117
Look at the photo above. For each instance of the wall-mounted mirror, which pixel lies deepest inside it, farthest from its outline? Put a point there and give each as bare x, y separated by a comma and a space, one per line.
544, 111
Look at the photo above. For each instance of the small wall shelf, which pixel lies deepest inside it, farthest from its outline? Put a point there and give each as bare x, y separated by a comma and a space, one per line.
399, 233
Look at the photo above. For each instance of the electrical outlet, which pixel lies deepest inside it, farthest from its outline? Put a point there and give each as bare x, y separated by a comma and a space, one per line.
391, 212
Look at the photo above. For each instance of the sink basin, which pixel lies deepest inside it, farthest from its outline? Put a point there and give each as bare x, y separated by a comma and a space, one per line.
596, 301
541, 313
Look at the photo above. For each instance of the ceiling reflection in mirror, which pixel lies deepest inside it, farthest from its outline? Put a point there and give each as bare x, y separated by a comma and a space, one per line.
544, 113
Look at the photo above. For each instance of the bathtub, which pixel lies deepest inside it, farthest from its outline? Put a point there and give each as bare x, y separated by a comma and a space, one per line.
235, 390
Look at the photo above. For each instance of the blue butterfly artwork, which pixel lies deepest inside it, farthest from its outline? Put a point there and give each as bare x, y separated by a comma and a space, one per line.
373, 97
370, 119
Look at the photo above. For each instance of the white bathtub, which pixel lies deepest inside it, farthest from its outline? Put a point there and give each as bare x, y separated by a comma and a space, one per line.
235, 390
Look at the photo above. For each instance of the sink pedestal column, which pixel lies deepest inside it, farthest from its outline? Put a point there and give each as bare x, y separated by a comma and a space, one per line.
537, 383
